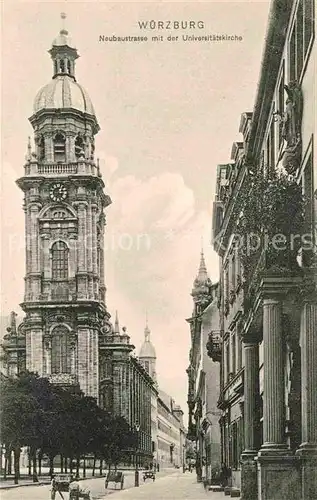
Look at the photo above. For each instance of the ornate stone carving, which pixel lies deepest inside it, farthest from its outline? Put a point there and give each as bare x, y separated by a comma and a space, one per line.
106, 328
59, 316
214, 346
73, 340
291, 131
47, 342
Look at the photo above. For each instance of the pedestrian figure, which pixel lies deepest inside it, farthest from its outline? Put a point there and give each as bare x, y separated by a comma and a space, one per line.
55, 489
77, 491
224, 475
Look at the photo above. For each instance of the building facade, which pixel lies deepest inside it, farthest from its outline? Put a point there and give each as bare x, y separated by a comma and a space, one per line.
147, 358
203, 376
265, 200
126, 388
169, 429
64, 205
66, 334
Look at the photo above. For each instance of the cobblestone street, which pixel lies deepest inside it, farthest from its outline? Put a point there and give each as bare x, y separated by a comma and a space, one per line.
177, 486
169, 485
96, 486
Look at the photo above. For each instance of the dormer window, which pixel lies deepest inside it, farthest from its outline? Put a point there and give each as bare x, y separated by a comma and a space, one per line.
59, 148
79, 146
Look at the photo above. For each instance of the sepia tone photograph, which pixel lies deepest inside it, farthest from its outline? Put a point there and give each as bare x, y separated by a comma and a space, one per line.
158, 321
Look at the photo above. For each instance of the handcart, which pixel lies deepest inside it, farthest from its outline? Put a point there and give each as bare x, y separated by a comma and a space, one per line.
149, 474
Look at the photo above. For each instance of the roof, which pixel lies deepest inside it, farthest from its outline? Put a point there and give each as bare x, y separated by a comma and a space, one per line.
147, 350
63, 92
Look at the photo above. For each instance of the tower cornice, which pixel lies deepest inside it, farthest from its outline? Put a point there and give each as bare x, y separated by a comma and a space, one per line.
42, 114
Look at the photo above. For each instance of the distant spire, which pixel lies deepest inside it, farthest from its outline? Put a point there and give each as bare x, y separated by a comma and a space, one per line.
202, 282
116, 325
202, 272
147, 331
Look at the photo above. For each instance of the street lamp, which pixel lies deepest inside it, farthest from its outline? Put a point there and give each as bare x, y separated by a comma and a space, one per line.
136, 475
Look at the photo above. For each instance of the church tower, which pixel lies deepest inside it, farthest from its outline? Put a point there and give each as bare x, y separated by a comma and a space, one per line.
202, 297
64, 204
147, 355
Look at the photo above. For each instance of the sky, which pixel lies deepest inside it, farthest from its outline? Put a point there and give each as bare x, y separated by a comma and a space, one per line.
169, 113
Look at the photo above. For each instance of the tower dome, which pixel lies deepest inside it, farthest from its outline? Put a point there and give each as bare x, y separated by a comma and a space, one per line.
63, 92
147, 349
147, 355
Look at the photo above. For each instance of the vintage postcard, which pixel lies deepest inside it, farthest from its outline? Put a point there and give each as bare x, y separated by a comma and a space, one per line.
158, 250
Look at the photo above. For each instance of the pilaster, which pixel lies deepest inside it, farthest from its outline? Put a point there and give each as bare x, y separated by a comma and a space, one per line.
82, 251
95, 364
101, 258
36, 338
277, 473
45, 241
274, 399
28, 350
89, 238
94, 209
47, 355
49, 152
82, 355
308, 449
251, 417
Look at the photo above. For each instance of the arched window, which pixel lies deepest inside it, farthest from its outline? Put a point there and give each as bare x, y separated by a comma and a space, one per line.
59, 260
62, 65
59, 147
69, 69
79, 146
61, 362
55, 67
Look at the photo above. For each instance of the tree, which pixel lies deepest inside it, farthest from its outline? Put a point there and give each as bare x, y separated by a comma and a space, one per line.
20, 416
52, 420
119, 442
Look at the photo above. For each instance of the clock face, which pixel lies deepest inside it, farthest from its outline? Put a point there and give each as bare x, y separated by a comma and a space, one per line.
58, 192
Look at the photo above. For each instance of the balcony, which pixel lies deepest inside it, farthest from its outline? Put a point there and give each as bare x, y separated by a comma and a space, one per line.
58, 168
63, 379
61, 168
214, 346
114, 339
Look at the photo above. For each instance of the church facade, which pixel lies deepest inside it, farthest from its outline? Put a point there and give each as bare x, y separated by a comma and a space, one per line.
63, 334
64, 205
